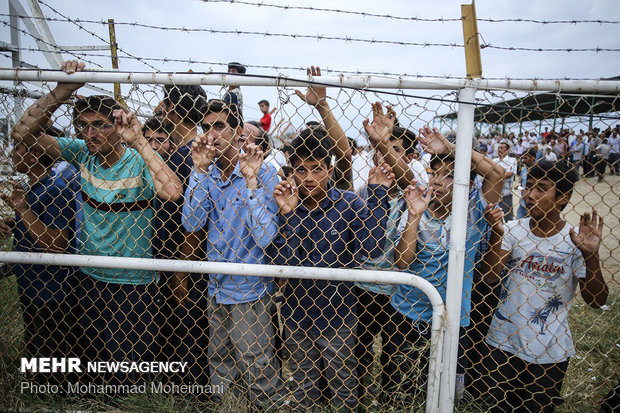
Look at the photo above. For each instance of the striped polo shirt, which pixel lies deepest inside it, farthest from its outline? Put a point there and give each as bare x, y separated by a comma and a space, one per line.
117, 208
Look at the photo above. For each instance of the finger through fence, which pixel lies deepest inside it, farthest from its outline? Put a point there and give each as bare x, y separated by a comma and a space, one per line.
338, 178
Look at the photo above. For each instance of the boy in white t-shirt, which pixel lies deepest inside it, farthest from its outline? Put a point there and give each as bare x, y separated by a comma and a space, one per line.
545, 259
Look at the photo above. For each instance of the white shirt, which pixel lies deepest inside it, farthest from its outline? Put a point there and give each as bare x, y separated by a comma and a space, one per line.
510, 165
551, 157
531, 320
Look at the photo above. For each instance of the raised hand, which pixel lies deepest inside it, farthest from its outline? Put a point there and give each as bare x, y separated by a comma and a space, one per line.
417, 198
203, 153
69, 67
494, 217
286, 196
381, 175
434, 142
382, 124
588, 240
6, 228
316, 95
250, 162
128, 127
17, 200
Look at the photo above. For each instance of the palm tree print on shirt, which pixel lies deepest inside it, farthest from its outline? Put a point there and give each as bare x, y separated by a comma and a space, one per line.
540, 316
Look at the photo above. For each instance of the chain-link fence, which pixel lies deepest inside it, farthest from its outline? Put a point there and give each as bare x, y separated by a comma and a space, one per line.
190, 182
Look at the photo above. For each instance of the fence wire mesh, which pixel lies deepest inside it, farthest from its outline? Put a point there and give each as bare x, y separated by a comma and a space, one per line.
310, 185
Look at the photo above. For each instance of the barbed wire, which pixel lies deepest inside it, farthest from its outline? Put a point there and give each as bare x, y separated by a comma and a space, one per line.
409, 18
325, 70
77, 23
320, 37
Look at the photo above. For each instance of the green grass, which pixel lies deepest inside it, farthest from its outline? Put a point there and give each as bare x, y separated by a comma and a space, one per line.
591, 374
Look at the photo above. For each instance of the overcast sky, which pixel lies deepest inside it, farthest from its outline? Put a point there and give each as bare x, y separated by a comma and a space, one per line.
337, 55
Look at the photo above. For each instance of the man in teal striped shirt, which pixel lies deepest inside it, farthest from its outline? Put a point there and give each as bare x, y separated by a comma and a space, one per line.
120, 177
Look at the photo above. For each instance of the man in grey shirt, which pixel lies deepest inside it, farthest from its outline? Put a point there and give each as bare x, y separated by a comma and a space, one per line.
578, 150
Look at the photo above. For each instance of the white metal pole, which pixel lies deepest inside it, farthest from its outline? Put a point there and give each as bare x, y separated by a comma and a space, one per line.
363, 82
16, 57
456, 260
391, 277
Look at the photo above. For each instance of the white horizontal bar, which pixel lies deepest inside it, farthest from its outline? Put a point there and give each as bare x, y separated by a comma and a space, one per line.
372, 82
81, 48
334, 274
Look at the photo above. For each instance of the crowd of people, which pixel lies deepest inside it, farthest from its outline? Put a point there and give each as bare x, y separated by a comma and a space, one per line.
594, 151
196, 182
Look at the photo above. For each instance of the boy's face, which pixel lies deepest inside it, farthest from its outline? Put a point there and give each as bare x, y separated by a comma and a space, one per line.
399, 150
441, 179
159, 141
215, 125
264, 107
311, 177
541, 197
98, 133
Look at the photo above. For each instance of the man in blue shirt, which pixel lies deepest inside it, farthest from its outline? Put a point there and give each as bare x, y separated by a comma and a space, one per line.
321, 226
44, 222
229, 203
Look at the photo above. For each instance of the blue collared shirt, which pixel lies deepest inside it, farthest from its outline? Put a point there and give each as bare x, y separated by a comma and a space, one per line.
328, 236
241, 223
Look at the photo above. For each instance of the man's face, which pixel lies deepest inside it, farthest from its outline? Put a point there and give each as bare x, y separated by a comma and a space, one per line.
215, 126
311, 177
264, 107
159, 141
248, 135
502, 149
441, 179
528, 160
98, 133
541, 197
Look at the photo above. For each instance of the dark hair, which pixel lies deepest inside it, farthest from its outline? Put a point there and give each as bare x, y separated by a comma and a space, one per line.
237, 66
286, 148
352, 143
562, 174
503, 142
262, 139
448, 159
156, 124
187, 101
103, 105
531, 152
313, 124
53, 131
233, 117
408, 137
265, 101
311, 144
